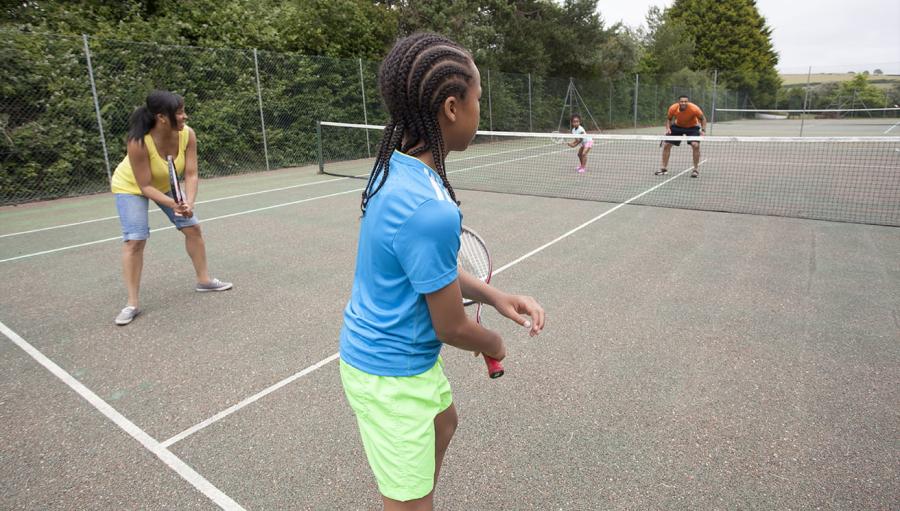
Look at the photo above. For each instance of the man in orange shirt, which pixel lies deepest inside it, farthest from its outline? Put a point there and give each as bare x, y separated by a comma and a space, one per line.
690, 121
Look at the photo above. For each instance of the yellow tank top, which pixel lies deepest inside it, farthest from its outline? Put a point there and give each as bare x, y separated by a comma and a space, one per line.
123, 179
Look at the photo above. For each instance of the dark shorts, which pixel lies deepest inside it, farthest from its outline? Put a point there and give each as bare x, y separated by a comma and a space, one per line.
679, 131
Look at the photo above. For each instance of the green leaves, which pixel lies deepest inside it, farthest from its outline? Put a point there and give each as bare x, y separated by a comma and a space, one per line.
733, 38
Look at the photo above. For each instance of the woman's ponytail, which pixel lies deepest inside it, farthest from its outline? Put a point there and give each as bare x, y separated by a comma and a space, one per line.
143, 118
139, 123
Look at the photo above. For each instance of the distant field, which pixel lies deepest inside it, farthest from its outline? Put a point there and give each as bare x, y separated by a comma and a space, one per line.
800, 79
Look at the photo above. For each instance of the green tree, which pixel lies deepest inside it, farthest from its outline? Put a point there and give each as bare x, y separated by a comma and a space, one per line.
858, 93
335, 28
525, 36
733, 38
668, 44
893, 95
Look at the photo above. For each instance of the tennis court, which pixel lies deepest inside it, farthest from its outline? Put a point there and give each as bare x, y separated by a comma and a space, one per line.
692, 359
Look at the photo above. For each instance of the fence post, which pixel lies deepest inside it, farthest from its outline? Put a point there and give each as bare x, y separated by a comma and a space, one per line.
805, 99
637, 78
490, 106
362, 86
656, 99
262, 118
712, 120
610, 104
530, 125
87, 54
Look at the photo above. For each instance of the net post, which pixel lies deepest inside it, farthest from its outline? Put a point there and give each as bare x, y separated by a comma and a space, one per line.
87, 54
362, 86
262, 118
319, 147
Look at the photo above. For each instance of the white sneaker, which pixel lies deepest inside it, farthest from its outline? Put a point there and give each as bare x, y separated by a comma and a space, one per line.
213, 285
127, 315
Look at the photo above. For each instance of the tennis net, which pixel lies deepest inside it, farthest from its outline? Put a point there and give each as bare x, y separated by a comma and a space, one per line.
841, 179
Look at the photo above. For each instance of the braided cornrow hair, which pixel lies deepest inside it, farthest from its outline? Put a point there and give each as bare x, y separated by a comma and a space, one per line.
418, 75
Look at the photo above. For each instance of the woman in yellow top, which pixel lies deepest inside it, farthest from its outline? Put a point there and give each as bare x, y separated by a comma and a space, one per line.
157, 130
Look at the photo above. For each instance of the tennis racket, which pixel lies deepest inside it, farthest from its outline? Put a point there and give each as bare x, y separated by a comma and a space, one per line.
177, 194
475, 259
558, 138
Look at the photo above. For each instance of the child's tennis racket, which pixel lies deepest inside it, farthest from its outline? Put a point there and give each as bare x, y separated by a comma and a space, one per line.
177, 194
475, 259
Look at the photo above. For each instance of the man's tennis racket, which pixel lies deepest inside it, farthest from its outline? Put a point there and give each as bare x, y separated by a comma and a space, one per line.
177, 194
475, 259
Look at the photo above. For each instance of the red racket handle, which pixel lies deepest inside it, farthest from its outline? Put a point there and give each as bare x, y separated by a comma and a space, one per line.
495, 367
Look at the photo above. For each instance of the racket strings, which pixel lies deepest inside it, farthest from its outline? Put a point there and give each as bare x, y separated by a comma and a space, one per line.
473, 256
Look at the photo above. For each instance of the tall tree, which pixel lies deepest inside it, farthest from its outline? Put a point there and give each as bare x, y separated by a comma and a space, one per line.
537, 36
669, 47
733, 38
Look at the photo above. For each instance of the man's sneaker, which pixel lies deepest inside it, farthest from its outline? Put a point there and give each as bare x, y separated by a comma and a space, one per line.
213, 285
127, 315
661, 172
695, 173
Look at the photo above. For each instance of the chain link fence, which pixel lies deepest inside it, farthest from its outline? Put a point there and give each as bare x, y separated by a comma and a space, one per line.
65, 103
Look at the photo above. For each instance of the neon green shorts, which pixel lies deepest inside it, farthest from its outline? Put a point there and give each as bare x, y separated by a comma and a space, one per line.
396, 421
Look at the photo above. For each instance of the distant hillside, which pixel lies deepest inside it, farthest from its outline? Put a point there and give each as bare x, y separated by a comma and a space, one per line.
819, 78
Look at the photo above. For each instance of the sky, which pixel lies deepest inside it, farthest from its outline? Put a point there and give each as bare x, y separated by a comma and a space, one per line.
832, 36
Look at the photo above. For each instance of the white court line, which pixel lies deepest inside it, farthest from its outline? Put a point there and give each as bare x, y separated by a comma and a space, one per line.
892, 127
259, 395
151, 444
74, 224
156, 210
589, 222
239, 213
250, 400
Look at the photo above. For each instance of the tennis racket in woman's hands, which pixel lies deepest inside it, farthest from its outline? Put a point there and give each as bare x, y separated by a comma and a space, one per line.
175, 185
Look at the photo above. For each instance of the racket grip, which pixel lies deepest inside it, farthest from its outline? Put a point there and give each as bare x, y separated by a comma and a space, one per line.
495, 367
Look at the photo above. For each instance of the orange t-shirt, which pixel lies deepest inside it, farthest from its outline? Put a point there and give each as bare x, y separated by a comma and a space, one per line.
689, 118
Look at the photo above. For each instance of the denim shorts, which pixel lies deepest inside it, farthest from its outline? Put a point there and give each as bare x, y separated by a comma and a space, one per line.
133, 216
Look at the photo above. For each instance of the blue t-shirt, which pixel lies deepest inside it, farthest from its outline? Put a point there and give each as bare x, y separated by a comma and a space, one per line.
408, 244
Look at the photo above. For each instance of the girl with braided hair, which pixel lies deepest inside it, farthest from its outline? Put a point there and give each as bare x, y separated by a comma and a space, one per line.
407, 292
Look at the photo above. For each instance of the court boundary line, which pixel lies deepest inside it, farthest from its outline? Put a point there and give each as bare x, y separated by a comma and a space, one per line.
238, 196
158, 210
255, 397
247, 212
151, 444
168, 227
